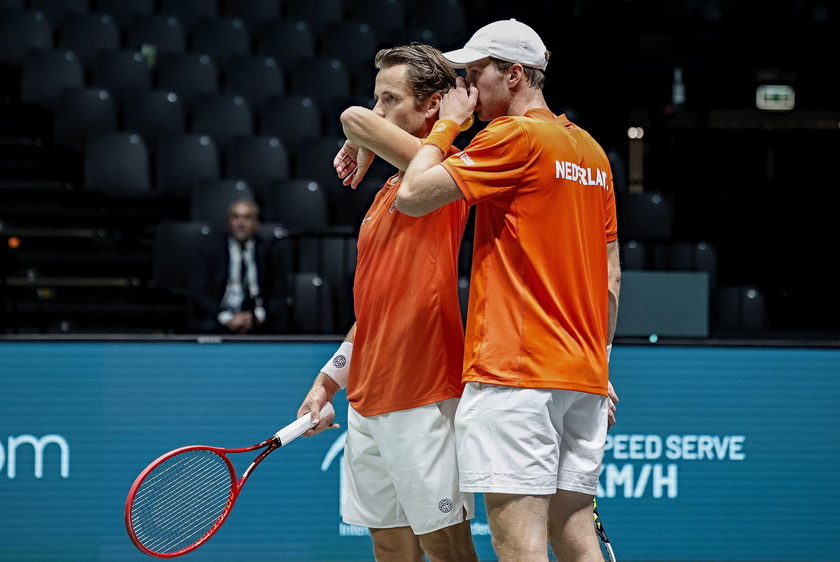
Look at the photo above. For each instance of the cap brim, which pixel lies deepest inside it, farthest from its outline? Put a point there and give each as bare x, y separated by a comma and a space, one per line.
460, 58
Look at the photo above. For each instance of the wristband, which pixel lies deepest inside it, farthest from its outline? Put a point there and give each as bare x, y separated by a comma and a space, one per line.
609, 350
338, 367
442, 135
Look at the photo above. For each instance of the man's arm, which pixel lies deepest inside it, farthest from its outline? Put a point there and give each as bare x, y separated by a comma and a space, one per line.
426, 185
613, 286
364, 128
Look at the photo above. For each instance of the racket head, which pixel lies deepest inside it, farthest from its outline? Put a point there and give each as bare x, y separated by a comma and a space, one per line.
180, 500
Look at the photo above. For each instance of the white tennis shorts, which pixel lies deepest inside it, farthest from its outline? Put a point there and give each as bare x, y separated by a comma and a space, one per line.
530, 441
401, 470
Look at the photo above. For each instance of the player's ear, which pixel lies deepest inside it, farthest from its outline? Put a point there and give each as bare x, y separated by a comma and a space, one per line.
516, 74
433, 105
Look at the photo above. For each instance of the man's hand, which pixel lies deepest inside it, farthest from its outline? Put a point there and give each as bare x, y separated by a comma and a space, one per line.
352, 163
242, 323
458, 104
613, 400
322, 391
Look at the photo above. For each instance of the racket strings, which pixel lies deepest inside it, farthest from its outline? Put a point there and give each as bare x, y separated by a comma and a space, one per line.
180, 500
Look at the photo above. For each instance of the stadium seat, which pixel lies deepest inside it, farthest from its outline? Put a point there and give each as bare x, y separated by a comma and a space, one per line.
154, 115
175, 250
262, 161
300, 204
386, 17
210, 200
326, 80
87, 35
184, 161
254, 13
56, 11
190, 12
313, 159
190, 75
317, 14
447, 19
124, 12
222, 38
223, 117
117, 164
22, 33
122, 73
163, 33
82, 112
353, 42
256, 78
12, 6
45, 74
633, 255
645, 216
741, 307
292, 118
312, 310
333, 258
287, 41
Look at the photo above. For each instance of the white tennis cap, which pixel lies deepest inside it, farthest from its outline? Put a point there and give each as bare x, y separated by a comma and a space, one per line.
508, 40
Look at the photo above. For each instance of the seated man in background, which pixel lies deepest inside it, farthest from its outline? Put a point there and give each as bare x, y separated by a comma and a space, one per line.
237, 288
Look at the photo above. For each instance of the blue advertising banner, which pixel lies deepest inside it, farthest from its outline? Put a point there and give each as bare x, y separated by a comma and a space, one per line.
720, 453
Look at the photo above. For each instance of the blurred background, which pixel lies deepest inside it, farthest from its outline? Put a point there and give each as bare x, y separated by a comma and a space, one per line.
127, 127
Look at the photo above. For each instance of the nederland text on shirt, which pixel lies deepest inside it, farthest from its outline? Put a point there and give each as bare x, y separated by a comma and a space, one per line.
584, 176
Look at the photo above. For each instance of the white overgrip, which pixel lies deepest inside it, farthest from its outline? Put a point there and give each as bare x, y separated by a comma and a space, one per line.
301, 425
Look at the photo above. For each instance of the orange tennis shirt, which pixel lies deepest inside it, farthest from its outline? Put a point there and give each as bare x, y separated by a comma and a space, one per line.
545, 210
409, 345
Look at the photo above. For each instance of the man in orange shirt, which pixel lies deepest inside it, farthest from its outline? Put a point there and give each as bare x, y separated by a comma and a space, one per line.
544, 289
407, 345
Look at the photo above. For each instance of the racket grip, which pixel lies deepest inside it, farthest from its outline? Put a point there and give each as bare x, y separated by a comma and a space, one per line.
300, 426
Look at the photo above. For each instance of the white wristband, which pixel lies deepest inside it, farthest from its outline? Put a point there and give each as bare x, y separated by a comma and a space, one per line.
609, 350
338, 367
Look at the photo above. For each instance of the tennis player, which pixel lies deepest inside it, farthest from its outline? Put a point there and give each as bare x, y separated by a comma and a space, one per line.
532, 421
404, 379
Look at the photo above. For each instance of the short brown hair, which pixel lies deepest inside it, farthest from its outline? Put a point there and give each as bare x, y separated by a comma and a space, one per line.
427, 71
535, 76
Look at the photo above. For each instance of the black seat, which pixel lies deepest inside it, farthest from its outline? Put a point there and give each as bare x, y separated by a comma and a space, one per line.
312, 310
326, 80
633, 255
262, 161
210, 200
223, 117
287, 41
292, 118
300, 204
184, 161
87, 35
386, 17
82, 112
122, 73
317, 14
190, 12
57, 11
222, 38
313, 159
125, 12
253, 12
22, 32
45, 74
447, 19
117, 164
154, 115
645, 216
190, 75
163, 33
175, 250
256, 78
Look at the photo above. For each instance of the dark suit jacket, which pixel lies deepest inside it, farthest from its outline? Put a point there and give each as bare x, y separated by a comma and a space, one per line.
209, 280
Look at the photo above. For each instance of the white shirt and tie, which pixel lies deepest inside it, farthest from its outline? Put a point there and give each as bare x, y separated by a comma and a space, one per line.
239, 289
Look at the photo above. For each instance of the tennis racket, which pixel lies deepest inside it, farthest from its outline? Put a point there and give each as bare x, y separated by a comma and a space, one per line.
606, 546
180, 500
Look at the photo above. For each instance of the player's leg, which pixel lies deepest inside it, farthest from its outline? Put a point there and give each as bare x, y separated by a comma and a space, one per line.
450, 544
570, 529
418, 446
518, 525
398, 544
